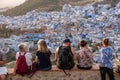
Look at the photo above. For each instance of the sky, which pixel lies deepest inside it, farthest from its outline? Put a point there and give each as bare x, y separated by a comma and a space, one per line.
10, 3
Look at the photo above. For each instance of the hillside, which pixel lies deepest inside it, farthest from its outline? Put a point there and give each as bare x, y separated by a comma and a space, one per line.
50, 5
10, 3
43, 5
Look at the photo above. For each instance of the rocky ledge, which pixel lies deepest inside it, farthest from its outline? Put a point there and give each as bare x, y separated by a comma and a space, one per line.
56, 74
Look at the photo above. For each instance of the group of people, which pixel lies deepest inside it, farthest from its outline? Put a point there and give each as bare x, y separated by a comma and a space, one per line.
65, 56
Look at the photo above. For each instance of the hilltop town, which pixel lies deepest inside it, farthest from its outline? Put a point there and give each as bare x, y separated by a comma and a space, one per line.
88, 22
91, 22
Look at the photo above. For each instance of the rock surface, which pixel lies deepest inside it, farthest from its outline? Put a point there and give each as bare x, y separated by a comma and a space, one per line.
59, 75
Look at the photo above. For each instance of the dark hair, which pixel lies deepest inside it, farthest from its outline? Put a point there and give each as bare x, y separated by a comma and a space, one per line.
105, 42
83, 43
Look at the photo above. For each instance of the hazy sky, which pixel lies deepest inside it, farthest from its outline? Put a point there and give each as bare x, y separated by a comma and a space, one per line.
10, 3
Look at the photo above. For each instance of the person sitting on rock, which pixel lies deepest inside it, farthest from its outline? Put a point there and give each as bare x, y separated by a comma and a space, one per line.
43, 56
23, 60
85, 56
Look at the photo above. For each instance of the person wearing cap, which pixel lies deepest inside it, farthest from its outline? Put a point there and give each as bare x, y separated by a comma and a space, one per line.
66, 43
3, 68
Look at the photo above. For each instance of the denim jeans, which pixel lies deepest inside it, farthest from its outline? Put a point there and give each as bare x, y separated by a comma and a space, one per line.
85, 68
45, 69
104, 70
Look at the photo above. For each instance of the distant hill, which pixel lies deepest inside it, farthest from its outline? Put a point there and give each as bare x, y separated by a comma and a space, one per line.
43, 5
50, 5
112, 2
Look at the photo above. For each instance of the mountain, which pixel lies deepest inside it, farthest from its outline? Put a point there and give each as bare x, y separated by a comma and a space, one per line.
50, 5
43, 5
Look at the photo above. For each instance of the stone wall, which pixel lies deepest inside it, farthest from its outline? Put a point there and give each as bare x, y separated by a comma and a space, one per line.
59, 75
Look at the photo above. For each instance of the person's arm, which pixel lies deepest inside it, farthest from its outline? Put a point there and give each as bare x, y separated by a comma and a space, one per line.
15, 66
29, 58
90, 53
103, 58
56, 54
112, 55
36, 59
73, 52
50, 53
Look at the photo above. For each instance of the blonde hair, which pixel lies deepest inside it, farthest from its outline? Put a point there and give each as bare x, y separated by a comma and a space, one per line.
22, 46
42, 46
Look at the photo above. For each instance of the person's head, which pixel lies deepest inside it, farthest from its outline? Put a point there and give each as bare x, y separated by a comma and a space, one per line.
42, 46
22, 47
105, 42
67, 42
83, 43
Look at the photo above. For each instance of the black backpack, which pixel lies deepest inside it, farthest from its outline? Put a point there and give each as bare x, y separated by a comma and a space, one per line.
66, 61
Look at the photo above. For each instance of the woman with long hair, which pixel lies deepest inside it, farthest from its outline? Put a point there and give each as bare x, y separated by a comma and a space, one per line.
43, 56
106, 65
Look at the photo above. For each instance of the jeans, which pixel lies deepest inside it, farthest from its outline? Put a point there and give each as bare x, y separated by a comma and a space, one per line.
45, 69
85, 68
104, 70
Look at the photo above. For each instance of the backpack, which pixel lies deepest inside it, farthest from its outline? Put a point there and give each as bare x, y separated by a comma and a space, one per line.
22, 67
66, 61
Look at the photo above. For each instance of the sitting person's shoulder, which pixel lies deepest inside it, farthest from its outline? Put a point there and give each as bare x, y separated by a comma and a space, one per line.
28, 53
17, 52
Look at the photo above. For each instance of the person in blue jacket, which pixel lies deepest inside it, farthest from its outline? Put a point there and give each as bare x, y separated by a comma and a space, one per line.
106, 65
